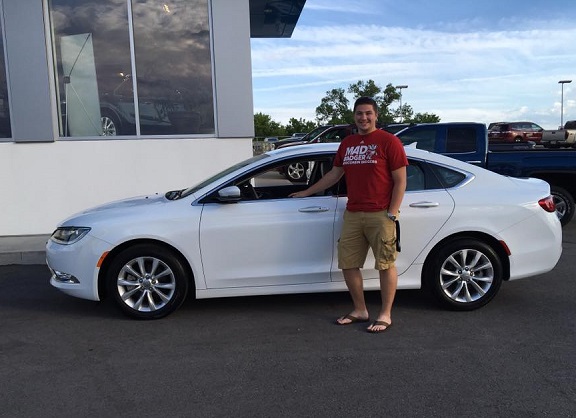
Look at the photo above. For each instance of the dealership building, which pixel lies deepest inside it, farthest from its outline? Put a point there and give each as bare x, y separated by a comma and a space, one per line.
106, 99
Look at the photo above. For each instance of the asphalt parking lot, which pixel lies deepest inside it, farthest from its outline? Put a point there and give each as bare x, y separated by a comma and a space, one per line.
282, 355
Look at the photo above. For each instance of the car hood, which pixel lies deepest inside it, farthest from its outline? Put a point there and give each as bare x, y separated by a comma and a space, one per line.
117, 209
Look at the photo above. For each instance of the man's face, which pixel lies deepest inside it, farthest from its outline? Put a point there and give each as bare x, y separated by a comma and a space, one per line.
365, 118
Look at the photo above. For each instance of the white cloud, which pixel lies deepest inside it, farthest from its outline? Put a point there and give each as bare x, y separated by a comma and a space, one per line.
481, 75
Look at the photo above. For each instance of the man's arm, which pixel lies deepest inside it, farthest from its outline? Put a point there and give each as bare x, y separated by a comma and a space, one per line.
399, 178
328, 180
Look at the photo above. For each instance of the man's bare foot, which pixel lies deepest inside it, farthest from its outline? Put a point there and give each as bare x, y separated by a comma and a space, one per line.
352, 318
378, 326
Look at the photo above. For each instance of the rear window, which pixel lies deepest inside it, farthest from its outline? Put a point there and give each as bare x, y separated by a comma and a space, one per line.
571, 124
461, 140
448, 177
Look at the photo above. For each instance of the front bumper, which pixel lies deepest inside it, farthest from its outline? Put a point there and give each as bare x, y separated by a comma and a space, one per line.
75, 267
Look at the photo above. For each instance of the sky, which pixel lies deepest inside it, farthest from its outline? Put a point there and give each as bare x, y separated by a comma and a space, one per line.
469, 60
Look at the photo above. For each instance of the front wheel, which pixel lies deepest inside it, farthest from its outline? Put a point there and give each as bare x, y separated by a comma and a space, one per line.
110, 124
564, 204
464, 274
147, 281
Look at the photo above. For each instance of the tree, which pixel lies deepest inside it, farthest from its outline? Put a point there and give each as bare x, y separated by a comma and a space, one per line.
425, 118
299, 125
334, 108
265, 126
384, 98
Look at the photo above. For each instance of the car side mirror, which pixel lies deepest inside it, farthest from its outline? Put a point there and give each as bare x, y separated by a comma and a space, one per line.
230, 194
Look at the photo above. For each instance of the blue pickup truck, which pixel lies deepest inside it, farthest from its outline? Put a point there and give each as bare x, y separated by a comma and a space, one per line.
467, 141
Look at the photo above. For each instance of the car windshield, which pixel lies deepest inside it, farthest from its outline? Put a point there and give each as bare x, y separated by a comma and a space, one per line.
221, 174
314, 133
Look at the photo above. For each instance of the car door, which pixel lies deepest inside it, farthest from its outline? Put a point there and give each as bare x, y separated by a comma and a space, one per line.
271, 240
425, 209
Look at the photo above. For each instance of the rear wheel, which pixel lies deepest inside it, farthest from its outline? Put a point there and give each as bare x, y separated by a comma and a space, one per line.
464, 274
564, 204
147, 281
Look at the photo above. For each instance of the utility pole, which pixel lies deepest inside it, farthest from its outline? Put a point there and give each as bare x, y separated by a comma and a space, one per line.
401, 111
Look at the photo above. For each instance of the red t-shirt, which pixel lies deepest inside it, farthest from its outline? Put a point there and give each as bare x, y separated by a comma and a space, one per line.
368, 162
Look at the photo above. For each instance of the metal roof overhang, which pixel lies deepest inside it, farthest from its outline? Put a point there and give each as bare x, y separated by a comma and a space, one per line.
274, 18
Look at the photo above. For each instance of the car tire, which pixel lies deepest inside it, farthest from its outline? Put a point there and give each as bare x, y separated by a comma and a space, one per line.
147, 281
110, 123
296, 172
564, 204
463, 274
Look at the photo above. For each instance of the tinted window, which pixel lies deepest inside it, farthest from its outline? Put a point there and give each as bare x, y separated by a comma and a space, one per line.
461, 140
424, 138
163, 85
414, 177
448, 177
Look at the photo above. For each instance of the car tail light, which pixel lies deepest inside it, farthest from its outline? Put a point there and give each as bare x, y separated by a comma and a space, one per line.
547, 204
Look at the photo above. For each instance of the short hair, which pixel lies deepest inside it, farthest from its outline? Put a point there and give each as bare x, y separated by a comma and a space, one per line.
365, 100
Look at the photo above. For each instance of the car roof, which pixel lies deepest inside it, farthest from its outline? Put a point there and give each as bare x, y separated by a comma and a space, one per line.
411, 152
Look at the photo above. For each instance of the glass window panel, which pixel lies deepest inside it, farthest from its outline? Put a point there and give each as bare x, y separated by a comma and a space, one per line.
461, 140
173, 62
92, 54
95, 77
5, 129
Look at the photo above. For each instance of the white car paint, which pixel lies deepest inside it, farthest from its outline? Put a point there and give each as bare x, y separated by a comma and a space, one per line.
287, 245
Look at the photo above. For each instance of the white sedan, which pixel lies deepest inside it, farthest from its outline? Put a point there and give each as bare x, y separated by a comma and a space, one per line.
464, 230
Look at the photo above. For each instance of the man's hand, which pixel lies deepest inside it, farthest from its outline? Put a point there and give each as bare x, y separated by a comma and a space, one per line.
299, 194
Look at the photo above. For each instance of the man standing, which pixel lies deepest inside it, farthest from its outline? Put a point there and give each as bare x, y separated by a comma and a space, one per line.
374, 162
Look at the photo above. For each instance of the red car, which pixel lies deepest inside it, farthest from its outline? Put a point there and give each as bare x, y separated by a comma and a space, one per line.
514, 132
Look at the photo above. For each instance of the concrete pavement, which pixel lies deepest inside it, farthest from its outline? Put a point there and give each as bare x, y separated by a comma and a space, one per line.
23, 249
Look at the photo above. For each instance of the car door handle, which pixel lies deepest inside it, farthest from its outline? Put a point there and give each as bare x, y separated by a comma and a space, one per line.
312, 209
424, 205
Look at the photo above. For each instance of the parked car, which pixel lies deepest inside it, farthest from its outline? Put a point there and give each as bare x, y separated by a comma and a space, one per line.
563, 137
161, 107
514, 132
331, 133
465, 230
393, 128
301, 139
466, 141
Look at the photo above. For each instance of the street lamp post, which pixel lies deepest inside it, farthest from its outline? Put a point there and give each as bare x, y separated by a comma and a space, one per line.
401, 111
562, 82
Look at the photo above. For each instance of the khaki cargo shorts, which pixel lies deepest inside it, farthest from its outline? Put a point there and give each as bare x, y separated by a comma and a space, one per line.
364, 230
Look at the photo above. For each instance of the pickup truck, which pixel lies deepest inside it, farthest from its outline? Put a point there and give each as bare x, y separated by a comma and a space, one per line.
563, 137
468, 141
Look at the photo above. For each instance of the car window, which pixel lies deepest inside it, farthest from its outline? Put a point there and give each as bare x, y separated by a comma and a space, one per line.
424, 138
447, 176
461, 140
280, 179
415, 179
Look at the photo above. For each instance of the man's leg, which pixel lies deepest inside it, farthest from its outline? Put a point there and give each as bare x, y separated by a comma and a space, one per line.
355, 286
388, 284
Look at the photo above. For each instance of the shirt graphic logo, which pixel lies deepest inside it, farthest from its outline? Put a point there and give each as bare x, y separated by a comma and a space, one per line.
362, 154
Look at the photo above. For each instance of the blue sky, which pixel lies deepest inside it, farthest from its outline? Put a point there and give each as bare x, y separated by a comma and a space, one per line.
481, 60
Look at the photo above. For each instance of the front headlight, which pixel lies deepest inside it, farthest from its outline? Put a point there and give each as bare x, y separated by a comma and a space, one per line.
67, 235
